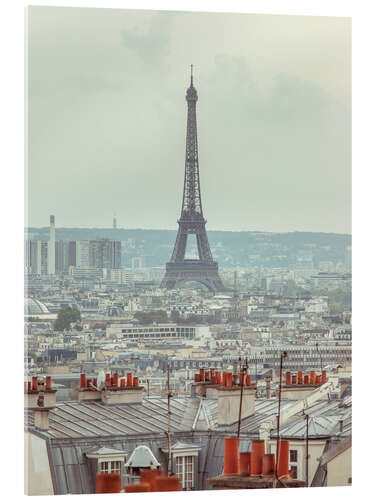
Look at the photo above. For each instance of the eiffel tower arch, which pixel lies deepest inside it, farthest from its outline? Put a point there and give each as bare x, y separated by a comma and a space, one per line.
180, 270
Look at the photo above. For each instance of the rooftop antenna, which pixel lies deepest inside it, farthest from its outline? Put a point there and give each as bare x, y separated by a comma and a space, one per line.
169, 426
283, 355
243, 372
306, 416
191, 74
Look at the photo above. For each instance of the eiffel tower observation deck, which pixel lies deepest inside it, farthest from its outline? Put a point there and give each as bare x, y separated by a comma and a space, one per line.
180, 270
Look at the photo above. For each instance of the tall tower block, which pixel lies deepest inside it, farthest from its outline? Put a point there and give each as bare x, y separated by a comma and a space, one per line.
204, 269
51, 246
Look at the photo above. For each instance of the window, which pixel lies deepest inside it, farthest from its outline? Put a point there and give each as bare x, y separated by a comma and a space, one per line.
293, 468
184, 469
108, 467
293, 455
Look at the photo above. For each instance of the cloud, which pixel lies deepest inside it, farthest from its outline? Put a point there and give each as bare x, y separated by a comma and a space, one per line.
107, 118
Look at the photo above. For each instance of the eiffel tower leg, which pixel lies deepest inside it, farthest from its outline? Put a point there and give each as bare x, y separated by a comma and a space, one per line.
180, 246
203, 246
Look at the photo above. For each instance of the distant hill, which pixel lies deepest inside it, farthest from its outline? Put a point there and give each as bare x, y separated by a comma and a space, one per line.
230, 248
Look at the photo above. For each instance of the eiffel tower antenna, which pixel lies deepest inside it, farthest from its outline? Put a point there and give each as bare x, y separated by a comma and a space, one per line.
204, 269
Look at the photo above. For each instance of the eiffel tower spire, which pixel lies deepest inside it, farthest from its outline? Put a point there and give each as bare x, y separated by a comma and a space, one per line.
191, 201
204, 269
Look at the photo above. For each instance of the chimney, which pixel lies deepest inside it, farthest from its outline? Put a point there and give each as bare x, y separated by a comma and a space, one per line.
137, 487
257, 452
231, 459
229, 402
132, 392
108, 483
268, 465
283, 462
41, 420
171, 483
33, 389
148, 476
324, 377
86, 391
205, 383
312, 377
288, 379
299, 376
245, 458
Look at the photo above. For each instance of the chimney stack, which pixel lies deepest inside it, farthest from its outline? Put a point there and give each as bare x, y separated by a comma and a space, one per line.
32, 390
245, 458
283, 462
231, 458
257, 452
108, 483
268, 465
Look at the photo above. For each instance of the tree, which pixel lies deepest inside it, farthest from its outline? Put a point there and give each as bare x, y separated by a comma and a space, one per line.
65, 317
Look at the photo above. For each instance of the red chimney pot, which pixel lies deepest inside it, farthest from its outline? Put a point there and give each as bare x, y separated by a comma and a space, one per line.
231, 458
268, 465
257, 452
245, 463
283, 462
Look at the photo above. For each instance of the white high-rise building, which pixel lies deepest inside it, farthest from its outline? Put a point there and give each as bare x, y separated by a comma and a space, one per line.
83, 254
51, 246
42, 257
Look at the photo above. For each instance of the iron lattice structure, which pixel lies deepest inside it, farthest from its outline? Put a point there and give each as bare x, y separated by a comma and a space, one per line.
204, 269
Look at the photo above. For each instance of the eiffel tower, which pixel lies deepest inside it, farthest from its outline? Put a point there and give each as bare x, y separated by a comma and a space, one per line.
203, 270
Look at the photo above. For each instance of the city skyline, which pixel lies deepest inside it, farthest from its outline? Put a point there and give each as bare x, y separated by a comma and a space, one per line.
274, 131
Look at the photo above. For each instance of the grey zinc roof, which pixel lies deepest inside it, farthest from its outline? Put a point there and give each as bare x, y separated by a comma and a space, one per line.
319, 427
93, 419
76, 427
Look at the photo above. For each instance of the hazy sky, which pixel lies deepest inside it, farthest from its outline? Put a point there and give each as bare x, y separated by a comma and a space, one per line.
107, 118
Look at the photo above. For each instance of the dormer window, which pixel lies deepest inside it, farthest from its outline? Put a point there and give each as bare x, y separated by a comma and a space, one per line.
185, 471
110, 466
107, 460
185, 463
